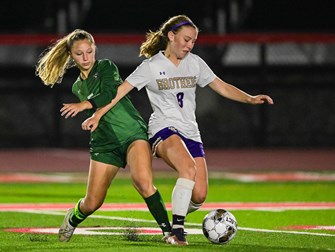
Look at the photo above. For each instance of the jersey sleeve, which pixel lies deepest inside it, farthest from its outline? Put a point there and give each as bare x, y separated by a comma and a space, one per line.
109, 80
75, 88
141, 76
206, 74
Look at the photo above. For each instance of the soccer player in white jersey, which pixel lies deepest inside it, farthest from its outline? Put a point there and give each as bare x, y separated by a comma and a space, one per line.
170, 75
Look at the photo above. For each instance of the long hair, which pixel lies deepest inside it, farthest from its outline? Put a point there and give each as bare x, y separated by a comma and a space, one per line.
158, 40
56, 59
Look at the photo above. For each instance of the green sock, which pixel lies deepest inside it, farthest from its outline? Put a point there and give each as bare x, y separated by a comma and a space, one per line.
157, 208
77, 216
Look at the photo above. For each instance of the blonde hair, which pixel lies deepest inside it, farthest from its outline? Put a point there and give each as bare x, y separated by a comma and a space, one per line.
56, 59
158, 40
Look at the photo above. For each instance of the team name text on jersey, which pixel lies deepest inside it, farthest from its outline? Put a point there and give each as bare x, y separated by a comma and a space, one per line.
176, 82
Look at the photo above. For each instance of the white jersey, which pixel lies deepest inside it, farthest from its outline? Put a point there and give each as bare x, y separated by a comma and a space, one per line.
171, 91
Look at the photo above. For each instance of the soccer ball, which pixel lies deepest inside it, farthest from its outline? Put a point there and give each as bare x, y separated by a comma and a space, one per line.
219, 226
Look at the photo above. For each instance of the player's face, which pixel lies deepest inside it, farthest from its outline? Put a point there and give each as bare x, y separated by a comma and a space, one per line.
83, 54
183, 41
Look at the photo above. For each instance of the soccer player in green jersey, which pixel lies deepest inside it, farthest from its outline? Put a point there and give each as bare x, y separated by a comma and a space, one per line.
121, 137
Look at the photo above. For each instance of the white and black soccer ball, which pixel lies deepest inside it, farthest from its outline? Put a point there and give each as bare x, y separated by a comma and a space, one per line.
219, 226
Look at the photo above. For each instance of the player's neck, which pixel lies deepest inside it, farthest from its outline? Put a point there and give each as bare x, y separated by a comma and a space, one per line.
172, 57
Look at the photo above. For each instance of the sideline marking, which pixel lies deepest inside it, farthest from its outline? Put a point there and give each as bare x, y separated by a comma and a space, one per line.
42, 178
263, 206
242, 177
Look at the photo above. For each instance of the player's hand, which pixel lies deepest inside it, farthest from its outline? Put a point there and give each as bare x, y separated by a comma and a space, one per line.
90, 123
72, 109
260, 99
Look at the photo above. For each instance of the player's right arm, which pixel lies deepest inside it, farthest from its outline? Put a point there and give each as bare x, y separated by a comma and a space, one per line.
92, 122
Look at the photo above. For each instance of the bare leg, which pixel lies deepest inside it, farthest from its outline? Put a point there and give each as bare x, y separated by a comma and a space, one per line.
139, 159
200, 189
99, 179
174, 152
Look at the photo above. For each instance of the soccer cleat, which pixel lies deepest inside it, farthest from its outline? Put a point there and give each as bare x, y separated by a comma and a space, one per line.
66, 230
166, 235
177, 237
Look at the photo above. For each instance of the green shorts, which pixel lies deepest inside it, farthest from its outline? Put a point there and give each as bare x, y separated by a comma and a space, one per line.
117, 156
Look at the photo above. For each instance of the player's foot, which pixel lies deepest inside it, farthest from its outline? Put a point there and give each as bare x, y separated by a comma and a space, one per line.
177, 237
166, 235
66, 230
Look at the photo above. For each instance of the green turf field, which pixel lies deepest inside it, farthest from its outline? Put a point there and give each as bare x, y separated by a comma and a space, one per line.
270, 229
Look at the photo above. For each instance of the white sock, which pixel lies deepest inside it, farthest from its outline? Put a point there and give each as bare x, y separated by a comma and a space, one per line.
181, 196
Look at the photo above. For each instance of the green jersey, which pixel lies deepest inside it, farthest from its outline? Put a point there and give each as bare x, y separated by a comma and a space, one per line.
122, 122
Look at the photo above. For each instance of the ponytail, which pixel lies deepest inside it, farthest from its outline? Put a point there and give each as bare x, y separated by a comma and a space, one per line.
157, 41
56, 59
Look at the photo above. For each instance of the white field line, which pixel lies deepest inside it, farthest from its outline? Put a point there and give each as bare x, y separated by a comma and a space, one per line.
191, 231
276, 176
102, 230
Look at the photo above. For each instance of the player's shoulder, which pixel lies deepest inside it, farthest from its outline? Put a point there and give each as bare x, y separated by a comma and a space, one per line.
77, 81
76, 85
150, 62
192, 56
157, 57
196, 60
106, 63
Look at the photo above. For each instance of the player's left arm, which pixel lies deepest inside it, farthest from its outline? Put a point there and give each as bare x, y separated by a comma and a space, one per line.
231, 92
109, 77
92, 122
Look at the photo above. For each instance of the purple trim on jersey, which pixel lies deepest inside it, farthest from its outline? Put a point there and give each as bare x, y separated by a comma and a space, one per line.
195, 148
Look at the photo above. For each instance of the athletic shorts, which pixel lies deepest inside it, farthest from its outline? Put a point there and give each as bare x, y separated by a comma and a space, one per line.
195, 148
117, 156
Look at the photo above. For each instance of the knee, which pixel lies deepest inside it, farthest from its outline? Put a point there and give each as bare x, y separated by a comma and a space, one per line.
144, 186
199, 199
199, 194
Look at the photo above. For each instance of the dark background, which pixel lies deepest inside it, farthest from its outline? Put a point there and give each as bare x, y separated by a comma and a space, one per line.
139, 16
303, 90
